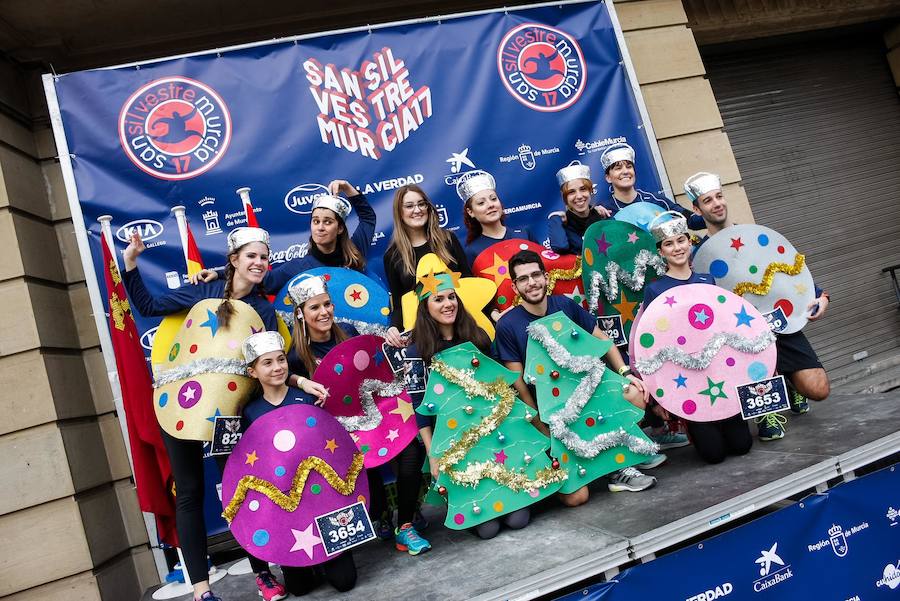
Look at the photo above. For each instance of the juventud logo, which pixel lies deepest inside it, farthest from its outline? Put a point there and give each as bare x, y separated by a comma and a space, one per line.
174, 128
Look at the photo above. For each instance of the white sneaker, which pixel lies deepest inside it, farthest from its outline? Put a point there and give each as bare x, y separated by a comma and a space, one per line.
630, 479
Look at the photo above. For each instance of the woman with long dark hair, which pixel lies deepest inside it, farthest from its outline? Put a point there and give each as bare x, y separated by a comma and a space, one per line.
566, 230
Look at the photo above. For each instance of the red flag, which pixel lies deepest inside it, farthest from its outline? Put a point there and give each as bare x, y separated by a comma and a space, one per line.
194, 259
251, 214
152, 472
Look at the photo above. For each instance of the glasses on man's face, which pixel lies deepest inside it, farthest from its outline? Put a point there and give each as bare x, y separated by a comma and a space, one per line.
421, 205
537, 276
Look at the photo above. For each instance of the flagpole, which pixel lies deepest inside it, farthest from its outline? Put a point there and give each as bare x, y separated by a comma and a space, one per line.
106, 228
180, 218
244, 193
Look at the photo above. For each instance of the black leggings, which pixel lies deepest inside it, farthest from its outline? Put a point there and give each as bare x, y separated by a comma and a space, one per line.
339, 572
409, 481
715, 440
186, 457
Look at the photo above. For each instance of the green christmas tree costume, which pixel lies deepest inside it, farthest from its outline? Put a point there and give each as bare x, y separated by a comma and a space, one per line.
593, 428
492, 460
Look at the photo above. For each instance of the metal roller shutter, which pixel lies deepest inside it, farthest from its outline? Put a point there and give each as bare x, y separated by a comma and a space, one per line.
815, 127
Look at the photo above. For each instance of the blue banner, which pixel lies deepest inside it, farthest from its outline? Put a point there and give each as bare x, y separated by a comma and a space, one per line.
519, 94
840, 545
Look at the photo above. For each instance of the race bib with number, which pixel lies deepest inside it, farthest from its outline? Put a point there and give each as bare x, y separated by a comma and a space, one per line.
345, 528
612, 326
776, 319
226, 434
763, 397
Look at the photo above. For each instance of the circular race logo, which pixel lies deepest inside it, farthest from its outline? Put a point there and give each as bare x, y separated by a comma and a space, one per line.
542, 67
175, 128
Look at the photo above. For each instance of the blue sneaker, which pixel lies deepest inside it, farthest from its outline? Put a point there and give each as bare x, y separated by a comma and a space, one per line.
771, 426
799, 403
207, 596
670, 440
652, 461
384, 527
407, 539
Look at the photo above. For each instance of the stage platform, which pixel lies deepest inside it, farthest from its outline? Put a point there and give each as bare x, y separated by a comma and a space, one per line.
563, 546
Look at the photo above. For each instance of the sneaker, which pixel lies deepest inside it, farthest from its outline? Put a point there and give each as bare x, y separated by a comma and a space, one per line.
670, 440
652, 461
407, 539
771, 426
420, 522
799, 403
208, 596
630, 479
269, 588
384, 527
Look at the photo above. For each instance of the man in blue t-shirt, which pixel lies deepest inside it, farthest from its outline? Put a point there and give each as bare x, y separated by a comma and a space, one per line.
797, 360
529, 279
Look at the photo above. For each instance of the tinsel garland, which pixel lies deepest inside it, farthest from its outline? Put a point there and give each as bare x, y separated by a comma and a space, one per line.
371, 416
291, 500
209, 365
571, 412
474, 472
361, 326
614, 274
554, 275
702, 359
763, 287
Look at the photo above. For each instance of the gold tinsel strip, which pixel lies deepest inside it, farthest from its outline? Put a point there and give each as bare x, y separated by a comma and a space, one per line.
291, 500
554, 275
763, 287
474, 472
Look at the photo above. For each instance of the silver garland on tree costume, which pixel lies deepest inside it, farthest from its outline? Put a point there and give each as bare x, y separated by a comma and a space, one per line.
615, 274
371, 417
560, 421
210, 365
702, 359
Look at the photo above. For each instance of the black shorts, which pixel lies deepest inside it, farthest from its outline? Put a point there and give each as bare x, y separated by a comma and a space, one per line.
794, 353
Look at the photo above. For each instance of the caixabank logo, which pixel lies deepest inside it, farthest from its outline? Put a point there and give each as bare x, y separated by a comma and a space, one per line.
542, 67
175, 128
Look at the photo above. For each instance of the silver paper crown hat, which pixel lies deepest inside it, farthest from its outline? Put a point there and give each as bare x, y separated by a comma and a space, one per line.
260, 344
572, 171
304, 289
675, 226
339, 205
472, 182
240, 236
700, 183
615, 153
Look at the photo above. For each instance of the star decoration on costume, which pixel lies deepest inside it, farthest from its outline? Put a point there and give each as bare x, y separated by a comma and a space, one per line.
305, 540
331, 445
392, 435
625, 307
576, 295
680, 381
404, 409
212, 322
212, 418
429, 283
714, 390
500, 457
701, 316
743, 318
499, 270
454, 278
251, 458
189, 393
633, 237
800, 288
355, 294
602, 244
670, 300
736, 243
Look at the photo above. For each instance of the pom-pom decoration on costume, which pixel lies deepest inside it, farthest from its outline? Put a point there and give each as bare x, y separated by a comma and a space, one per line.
367, 398
695, 343
475, 293
593, 429
619, 259
358, 299
492, 460
563, 271
199, 371
639, 214
761, 265
290, 466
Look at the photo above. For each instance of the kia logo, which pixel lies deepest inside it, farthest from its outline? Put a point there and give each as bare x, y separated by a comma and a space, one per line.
147, 338
147, 228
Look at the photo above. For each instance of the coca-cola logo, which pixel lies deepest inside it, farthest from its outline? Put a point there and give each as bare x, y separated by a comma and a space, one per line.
294, 251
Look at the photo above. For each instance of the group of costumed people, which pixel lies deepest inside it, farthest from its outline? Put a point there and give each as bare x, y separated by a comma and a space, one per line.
508, 391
